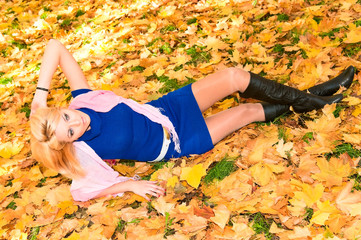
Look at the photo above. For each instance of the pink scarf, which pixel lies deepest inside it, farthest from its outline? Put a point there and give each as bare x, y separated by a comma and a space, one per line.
104, 101
99, 176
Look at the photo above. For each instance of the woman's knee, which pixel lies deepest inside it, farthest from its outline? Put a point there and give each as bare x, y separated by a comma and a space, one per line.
239, 78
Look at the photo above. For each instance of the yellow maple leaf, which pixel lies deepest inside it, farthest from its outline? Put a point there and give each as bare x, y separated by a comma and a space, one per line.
234, 34
357, 111
310, 51
353, 36
66, 207
35, 174
215, 43
332, 172
171, 182
225, 104
50, 173
59, 194
352, 138
352, 101
193, 175
309, 194
322, 215
9, 149
236, 57
234, 187
73, 236
263, 173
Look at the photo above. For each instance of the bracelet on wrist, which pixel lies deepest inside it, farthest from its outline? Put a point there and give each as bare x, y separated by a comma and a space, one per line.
42, 89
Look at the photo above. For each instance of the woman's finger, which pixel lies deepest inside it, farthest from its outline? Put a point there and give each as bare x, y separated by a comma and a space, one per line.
158, 190
146, 197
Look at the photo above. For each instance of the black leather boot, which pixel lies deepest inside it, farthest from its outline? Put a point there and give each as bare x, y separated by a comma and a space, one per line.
272, 92
327, 88
271, 111
331, 86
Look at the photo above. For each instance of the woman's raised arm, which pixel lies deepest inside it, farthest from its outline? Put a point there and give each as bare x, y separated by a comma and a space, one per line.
56, 54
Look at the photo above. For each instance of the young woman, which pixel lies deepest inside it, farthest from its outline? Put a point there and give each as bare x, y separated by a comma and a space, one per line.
101, 125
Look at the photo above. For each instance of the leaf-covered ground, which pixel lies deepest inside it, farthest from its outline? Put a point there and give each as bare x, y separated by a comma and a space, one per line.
296, 178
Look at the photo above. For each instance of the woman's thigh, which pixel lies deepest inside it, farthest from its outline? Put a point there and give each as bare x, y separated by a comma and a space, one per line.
218, 85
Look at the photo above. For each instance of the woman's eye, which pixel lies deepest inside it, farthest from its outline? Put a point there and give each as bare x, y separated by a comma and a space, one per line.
66, 116
71, 132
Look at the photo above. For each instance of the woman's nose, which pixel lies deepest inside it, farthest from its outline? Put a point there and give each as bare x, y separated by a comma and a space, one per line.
75, 122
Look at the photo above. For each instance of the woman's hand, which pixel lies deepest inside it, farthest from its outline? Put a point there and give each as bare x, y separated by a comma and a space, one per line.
142, 188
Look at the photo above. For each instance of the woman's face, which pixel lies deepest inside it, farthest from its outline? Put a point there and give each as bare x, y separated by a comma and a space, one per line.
72, 125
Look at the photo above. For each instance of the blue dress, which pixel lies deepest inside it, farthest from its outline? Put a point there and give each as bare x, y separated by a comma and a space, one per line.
122, 133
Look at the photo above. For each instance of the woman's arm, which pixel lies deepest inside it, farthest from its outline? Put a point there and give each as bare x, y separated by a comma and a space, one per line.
142, 188
56, 54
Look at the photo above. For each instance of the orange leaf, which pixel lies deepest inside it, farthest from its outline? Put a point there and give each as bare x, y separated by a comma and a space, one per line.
332, 172
222, 215
349, 202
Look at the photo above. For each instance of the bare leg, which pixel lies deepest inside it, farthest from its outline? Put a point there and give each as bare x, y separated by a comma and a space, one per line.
224, 123
216, 86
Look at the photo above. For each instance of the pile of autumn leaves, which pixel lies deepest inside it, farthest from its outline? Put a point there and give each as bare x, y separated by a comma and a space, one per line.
290, 179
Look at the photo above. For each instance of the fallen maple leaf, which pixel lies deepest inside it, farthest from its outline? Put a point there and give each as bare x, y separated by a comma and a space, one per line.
309, 194
9, 149
300, 233
222, 215
332, 172
193, 175
263, 173
353, 36
128, 214
162, 206
59, 194
171, 182
349, 202
322, 215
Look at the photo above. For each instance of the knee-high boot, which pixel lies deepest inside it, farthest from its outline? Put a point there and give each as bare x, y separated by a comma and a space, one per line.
327, 88
272, 92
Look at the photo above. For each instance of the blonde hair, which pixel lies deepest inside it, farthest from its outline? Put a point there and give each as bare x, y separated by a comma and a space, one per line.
45, 147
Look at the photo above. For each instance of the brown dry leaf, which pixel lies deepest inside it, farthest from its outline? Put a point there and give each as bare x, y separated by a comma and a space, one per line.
205, 212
